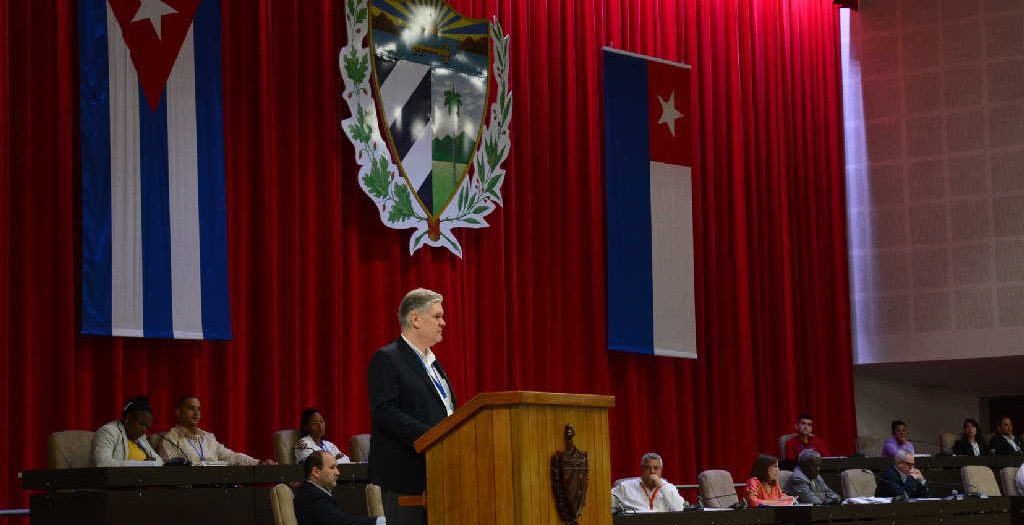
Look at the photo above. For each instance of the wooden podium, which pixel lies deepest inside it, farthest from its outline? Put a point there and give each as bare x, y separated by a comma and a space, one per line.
490, 461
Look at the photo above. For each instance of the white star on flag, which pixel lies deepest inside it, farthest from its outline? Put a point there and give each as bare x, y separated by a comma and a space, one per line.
153, 10
669, 113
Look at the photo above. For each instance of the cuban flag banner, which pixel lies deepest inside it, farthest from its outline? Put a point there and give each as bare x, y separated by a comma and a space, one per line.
648, 152
154, 239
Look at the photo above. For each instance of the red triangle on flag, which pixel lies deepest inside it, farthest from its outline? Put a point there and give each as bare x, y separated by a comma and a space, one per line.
154, 31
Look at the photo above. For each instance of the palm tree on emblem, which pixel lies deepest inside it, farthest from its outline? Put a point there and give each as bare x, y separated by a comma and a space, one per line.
453, 101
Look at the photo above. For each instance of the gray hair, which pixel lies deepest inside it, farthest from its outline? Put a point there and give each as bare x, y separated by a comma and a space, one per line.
808, 454
649, 456
416, 300
903, 455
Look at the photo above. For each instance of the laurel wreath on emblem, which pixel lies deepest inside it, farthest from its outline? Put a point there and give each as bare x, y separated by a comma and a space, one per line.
478, 193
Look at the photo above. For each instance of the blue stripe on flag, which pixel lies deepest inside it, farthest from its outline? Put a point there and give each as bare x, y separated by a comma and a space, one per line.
156, 222
212, 212
94, 117
628, 198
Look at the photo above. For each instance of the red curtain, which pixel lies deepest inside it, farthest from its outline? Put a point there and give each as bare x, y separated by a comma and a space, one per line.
315, 278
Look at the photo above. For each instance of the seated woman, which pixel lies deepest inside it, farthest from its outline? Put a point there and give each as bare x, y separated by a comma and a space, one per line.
122, 442
763, 488
970, 442
312, 429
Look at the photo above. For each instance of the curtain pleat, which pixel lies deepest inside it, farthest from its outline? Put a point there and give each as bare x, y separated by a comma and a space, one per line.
315, 278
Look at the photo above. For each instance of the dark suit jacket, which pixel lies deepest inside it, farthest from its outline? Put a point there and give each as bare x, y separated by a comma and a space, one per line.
891, 485
314, 507
404, 404
963, 448
1001, 447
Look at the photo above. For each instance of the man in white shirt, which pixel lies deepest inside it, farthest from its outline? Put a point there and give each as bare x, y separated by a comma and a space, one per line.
187, 440
647, 493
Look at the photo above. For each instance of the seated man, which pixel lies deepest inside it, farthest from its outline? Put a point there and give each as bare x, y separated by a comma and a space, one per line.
806, 482
123, 442
647, 493
187, 440
314, 503
1005, 443
902, 479
804, 439
900, 440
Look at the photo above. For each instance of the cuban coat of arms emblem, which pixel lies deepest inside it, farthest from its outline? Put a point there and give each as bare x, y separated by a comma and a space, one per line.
429, 135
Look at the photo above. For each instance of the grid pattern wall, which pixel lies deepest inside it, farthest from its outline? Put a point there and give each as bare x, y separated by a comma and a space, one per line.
936, 178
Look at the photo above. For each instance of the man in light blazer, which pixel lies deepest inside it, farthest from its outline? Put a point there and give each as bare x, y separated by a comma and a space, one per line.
409, 393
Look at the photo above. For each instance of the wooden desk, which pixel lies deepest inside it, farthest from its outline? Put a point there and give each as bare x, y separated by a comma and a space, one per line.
992, 511
174, 495
704, 517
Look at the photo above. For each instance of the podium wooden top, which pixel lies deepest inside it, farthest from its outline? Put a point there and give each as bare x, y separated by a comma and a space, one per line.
491, 399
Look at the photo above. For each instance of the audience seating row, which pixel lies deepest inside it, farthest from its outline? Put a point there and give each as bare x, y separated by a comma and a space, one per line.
73, 448
718, 490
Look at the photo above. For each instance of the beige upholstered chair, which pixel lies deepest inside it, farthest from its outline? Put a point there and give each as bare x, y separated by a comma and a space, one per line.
977, 479
946, 441
282, 504
782, 444
360, 445
869, 446
374, 503
70, 449
1007, 477
857, 483
284, 440
716, 489
784, 476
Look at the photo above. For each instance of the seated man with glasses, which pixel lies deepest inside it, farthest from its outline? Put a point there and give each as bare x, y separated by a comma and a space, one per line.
902, 479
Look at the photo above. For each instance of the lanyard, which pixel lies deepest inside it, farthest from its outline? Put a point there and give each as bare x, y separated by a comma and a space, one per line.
652, 495
437, 381
199, 451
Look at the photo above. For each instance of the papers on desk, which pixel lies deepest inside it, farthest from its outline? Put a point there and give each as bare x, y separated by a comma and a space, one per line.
149, 463
866, 501
212, 463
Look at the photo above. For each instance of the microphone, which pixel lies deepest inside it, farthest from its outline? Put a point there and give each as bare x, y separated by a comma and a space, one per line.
180, 461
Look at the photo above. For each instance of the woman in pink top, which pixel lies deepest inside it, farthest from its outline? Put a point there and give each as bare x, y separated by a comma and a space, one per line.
763, 486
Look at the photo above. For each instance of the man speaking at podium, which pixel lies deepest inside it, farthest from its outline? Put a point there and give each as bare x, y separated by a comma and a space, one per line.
409, 394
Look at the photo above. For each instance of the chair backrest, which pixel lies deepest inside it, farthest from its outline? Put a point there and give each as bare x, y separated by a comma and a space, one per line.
782, 444
284, 440
155, 440
784, 476
925, 447
360, 445
374, 502
869, 446
716, 489
946, 441
979, 480
1007, 478
69, 449
857, 483
282, 504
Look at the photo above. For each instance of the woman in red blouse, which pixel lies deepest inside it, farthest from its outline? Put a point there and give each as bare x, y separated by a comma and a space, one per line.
763, 486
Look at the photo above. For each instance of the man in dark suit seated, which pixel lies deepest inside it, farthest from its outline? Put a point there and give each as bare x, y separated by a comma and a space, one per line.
902, 479
1005, 443
314, 504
